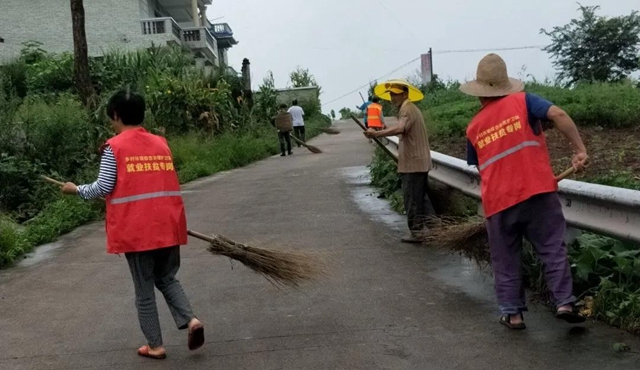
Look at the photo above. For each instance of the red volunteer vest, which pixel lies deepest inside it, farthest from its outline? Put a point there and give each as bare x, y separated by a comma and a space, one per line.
513, 162
145, 210
374, 111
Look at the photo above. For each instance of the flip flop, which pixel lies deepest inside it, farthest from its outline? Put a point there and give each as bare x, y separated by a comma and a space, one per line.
506, 321
195, 338
144, 352
571, 317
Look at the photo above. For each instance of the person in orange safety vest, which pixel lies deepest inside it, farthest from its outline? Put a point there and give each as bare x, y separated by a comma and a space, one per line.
519, 191
145, 218
375, 118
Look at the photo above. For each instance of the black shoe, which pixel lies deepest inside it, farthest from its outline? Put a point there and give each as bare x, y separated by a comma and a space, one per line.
572, 317
282, 155
290, 153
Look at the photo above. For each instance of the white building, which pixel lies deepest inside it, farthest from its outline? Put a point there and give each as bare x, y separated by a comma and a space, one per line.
115, 24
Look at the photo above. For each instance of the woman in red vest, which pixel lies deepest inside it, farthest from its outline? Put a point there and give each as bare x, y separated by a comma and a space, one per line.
506, 143
145, 218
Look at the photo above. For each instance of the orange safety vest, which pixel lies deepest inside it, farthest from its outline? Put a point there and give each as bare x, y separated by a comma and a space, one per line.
374, 112
145, 210
513, 162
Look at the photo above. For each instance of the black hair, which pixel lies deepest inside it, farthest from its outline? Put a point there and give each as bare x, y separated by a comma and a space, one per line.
295, 102
283, 106
370, 98
375, 99
128, 106
405, 88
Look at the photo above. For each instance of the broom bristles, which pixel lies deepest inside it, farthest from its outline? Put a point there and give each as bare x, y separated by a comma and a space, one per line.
281, 268
466, 236
329, 130
312, 149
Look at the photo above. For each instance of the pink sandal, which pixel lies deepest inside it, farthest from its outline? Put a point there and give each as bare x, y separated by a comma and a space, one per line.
144, 352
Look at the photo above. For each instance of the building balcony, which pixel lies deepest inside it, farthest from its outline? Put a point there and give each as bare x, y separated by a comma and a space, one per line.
163, 29
200, 40
224, 34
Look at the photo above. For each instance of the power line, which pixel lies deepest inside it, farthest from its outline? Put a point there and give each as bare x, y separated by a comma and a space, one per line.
367, 84
488, 50
436, 52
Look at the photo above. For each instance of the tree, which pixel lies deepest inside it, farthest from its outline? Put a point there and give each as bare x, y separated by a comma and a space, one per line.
595, 48
302, 78
81, 55
345, 113
333, 114
267, 99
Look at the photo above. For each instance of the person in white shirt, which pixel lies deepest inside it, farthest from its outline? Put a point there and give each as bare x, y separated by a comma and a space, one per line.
298, 121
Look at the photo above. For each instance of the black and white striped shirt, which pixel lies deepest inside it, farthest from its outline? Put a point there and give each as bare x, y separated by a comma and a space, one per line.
106, 178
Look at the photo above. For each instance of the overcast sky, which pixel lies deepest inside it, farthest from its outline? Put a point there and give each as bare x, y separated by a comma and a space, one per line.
347, 43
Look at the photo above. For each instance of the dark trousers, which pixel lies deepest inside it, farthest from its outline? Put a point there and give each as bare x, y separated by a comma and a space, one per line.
285, 137
298, 131
158, 268
416, 200
540, 220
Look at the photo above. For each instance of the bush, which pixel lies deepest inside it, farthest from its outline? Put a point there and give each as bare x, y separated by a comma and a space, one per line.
448, 111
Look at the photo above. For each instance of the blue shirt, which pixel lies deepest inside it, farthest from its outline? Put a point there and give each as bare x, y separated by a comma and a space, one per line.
363, 108
537, 109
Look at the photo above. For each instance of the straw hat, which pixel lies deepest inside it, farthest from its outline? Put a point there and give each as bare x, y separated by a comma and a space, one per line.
492, 79
384, 90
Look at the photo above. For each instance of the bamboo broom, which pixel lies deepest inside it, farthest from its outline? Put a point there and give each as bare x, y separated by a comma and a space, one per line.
312, 149
467, 236
281, 268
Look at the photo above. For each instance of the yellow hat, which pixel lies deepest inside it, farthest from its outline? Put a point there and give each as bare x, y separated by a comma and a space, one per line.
384, 90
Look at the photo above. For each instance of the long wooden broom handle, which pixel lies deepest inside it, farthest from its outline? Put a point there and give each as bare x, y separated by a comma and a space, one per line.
384, 147
299, 141
566, 174
197, 235
56, 182
49, 179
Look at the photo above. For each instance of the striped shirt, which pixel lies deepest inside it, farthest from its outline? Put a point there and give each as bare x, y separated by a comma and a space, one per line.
414, 154
106, 178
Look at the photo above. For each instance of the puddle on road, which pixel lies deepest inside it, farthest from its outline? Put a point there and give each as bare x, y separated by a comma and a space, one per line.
454, 270
366, 197
40, 254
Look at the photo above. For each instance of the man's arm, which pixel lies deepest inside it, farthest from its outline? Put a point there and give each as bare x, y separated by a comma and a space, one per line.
391, 131
105, 183
568, 128
541, 109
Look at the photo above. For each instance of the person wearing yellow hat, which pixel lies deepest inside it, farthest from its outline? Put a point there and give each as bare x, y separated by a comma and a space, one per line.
507, 145
414, 155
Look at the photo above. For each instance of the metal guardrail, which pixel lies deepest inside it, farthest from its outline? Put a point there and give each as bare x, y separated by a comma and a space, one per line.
601, 209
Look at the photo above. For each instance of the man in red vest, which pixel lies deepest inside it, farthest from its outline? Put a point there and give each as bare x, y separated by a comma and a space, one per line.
145, 218
506, 143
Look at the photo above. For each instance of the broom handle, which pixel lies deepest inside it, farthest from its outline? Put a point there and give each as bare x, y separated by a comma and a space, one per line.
49, 179
56, 182
384, 147
299, 141
566, 174
197, 235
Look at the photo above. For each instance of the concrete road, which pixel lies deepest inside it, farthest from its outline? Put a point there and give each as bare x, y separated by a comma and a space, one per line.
385, 306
